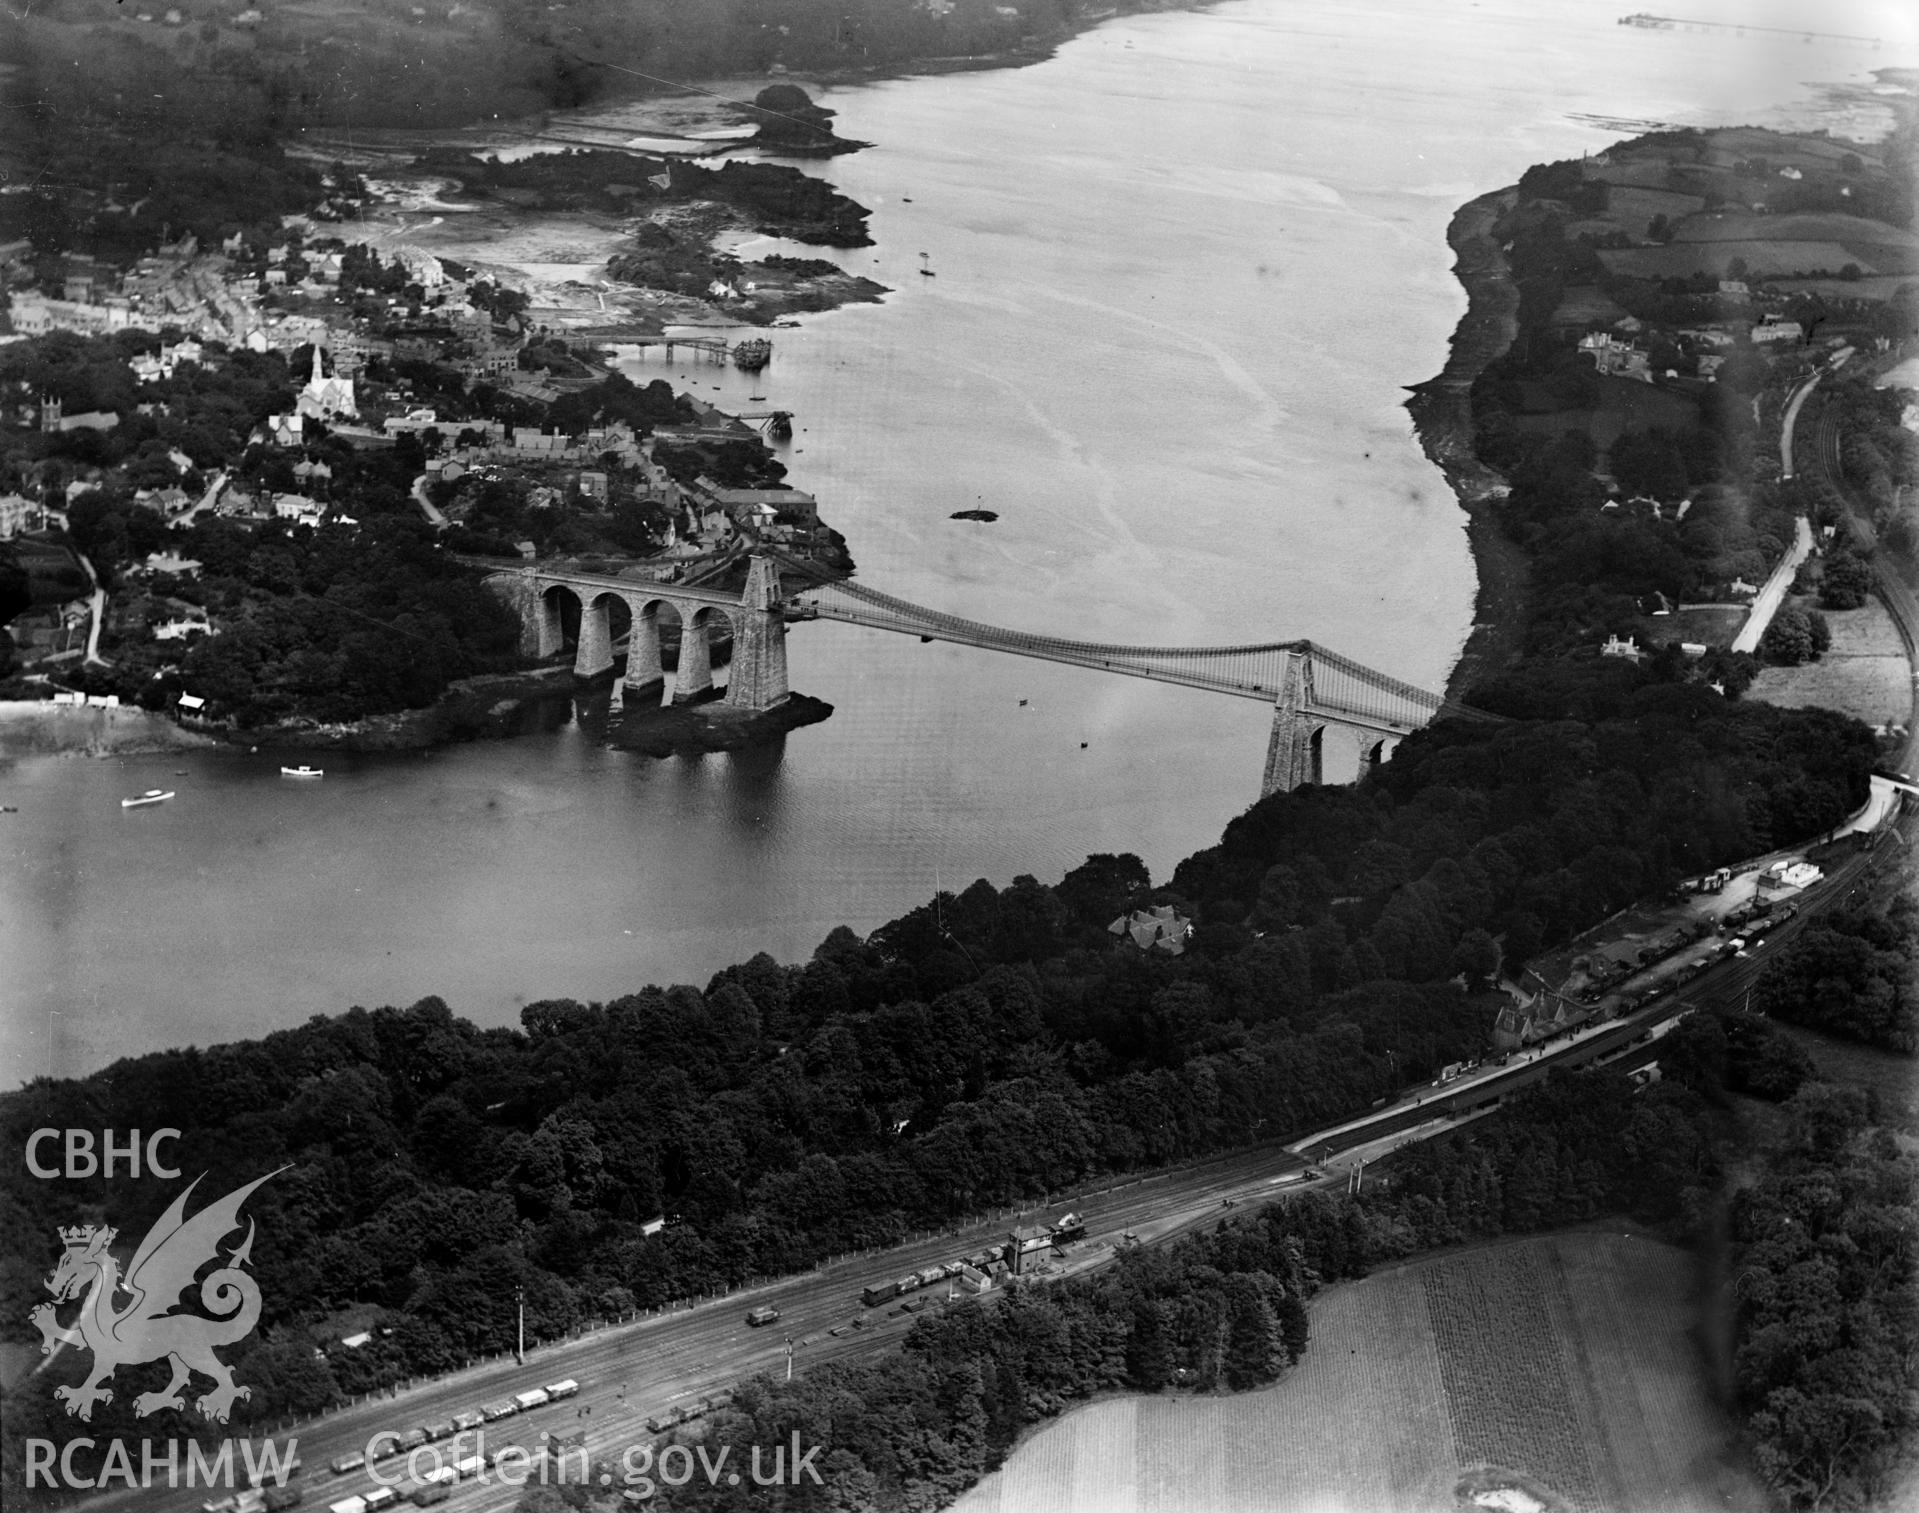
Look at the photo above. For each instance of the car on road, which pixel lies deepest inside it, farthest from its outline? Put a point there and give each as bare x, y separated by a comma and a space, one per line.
765, 1314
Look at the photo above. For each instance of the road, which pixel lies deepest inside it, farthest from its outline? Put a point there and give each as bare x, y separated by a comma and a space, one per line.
1791, 419
1770, 597
428, 508
208, 498
97, 602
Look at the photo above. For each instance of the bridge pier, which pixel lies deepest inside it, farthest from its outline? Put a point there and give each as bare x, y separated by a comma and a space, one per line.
645, 679
694, 678
758, 677
1296, 753
594, 654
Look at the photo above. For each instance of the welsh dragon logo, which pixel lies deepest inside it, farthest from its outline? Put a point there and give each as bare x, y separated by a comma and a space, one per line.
147, 1328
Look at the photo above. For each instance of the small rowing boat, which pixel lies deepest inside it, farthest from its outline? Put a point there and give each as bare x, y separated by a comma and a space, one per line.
151, 796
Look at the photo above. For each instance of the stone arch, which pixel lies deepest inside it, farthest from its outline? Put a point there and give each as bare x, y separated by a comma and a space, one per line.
693, 678
1316, 755
557, 613
645, 672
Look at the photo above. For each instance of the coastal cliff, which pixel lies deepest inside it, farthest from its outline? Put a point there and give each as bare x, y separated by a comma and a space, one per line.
1442, 414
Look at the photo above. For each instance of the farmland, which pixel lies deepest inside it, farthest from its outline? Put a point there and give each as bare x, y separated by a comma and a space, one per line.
1562, 1366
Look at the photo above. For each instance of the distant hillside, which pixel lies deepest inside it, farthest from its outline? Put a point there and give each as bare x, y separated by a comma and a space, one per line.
270, 68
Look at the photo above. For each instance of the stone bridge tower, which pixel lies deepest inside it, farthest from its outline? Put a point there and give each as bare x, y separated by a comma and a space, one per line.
758, 676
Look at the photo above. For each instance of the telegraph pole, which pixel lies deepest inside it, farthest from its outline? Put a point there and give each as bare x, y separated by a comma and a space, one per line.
519, 1351
789, 1357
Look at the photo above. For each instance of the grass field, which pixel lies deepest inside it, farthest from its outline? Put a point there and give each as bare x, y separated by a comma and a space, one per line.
1731, 226
1561, 1365
1763, 259
1864, 673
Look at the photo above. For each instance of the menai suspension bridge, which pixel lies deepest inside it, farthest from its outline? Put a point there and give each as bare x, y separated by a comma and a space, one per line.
1310, 686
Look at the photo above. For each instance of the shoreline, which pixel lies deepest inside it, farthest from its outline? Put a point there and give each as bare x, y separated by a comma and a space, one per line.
39, 727
1441, 409
488, 707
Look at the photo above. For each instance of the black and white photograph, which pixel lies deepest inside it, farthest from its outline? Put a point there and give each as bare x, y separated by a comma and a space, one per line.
874, 756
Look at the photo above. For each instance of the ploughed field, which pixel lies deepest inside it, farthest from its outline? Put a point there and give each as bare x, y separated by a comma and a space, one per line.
1560, 1368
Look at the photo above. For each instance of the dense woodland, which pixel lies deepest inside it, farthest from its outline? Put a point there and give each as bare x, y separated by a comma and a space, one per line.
1851, 975
1825, 1283
360, 63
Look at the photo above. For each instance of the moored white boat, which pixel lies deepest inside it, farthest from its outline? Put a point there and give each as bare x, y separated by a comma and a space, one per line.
151, 796
302, 771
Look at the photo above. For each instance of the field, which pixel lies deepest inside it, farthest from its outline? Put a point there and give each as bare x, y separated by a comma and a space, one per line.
1561, 1366
1706, 624
1763, 259
1730, 226
1624, 405
1586, 305
1842, 288
1863, 674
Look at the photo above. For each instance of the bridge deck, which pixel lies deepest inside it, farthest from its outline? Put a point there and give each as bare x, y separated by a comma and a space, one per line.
1335, 687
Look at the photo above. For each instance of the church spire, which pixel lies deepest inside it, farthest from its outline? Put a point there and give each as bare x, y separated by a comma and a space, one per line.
318, 376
